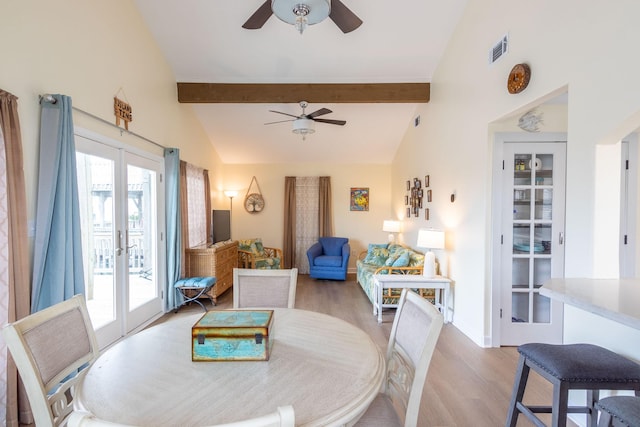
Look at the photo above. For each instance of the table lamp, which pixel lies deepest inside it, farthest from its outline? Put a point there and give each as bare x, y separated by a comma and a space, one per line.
391, 227
430, 239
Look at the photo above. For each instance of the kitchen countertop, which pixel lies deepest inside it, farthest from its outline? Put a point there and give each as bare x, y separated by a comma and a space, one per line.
614, 299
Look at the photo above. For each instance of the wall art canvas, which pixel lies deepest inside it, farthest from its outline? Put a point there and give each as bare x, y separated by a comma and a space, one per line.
359, 199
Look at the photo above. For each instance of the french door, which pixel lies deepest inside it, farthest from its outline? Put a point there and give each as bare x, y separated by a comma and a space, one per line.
532, 240
121, 215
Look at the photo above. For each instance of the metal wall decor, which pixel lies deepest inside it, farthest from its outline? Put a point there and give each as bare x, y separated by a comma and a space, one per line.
414, 199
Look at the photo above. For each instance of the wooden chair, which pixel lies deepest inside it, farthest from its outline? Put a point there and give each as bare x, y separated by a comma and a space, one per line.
53, 349
264, 288
415, 331
253, 254
283, 417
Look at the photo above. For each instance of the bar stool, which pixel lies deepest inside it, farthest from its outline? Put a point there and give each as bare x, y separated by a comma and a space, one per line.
570, 367
619, 411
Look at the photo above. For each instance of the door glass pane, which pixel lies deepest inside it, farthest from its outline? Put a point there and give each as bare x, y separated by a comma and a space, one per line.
141, 214
521, 238
520, 273
541, 309
520, 307
541, 271
95, 194
522, 169
543, 201
521, 203
543, 169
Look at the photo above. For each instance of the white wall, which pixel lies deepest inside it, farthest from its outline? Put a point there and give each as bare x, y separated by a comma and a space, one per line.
93, 51
585, 46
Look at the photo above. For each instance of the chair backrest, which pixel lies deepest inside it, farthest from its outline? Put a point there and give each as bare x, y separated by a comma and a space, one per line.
264, 288
332, 245
283, 417
52, 349
413, 338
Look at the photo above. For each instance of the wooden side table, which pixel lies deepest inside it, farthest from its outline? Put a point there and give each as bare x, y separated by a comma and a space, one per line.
440, 284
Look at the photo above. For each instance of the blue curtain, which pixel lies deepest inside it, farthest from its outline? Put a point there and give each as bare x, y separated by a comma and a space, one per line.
174, 228
57, 264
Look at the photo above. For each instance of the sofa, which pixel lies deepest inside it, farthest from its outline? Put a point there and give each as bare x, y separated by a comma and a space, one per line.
386, 258
329, 258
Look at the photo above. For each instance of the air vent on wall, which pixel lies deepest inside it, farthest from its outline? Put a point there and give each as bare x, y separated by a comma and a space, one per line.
499, 49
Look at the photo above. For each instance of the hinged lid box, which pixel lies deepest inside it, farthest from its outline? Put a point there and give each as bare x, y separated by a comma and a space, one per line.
223, 335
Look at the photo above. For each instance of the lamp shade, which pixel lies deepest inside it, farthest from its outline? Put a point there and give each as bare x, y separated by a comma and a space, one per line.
430, 239
391, 226
230, 193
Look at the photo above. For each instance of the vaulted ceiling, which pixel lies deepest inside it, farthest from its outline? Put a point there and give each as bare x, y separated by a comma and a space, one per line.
272, 68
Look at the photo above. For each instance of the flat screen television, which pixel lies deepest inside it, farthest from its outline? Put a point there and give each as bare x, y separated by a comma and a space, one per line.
220, 225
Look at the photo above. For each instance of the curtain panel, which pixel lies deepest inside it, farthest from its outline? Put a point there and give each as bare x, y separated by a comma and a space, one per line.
14, 282
174, 249
58, 272
289, 238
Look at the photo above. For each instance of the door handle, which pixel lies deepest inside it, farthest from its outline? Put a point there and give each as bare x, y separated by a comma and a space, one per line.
119, 247
129, 247
561, 238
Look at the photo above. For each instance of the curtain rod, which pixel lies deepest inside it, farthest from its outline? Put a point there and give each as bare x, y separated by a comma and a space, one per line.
49, 98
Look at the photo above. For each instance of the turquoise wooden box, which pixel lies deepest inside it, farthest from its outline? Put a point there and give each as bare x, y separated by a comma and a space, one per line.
223, 335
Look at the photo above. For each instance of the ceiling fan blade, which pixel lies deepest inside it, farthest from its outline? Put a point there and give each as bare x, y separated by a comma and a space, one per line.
343, 17
331, 122
281, 121
286, 114
259, 17
320, 112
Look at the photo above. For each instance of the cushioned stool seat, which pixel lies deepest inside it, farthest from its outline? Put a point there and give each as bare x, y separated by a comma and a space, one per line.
570, 367
619, 411
192, 288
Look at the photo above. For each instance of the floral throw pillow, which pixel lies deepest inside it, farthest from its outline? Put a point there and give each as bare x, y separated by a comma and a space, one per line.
377, 254
254, 246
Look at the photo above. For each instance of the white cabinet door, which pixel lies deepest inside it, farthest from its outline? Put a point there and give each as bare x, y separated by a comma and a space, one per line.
532, 249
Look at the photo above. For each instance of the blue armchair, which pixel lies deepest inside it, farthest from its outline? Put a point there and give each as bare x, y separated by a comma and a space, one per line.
329, 258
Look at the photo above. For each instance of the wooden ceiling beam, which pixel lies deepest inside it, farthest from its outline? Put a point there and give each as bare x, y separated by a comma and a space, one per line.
231, 93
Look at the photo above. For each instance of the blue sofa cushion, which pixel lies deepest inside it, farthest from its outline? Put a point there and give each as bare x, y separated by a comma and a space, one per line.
328, 261
402, 260
195, 282
332, 245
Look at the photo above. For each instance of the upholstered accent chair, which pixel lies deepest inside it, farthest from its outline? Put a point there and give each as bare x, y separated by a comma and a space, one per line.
253, 254
53, 349
329, 258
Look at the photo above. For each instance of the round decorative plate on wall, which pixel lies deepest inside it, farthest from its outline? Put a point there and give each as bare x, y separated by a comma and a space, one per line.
254, 203
518, 78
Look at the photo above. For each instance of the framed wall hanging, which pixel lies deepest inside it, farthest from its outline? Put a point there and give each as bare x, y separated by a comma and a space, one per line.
359, 199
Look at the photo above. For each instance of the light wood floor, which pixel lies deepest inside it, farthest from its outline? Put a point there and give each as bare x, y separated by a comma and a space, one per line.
466, 386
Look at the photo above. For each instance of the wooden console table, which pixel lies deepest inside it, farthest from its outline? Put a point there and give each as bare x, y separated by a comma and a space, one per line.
217, 261
440, 284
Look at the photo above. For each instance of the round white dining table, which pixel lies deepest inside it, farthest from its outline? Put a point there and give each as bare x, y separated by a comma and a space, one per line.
326, 368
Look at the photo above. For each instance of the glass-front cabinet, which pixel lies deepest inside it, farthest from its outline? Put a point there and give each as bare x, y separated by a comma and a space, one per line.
533, 237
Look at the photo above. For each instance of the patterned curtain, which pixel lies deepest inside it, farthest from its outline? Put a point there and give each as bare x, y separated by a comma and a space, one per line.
307, 218
196, 206
14, 256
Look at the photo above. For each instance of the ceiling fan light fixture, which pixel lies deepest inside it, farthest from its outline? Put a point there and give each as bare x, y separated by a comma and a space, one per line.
304, 127
301, 13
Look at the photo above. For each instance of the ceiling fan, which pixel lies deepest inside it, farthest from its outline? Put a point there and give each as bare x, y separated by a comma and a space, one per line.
304, 124
304, 12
